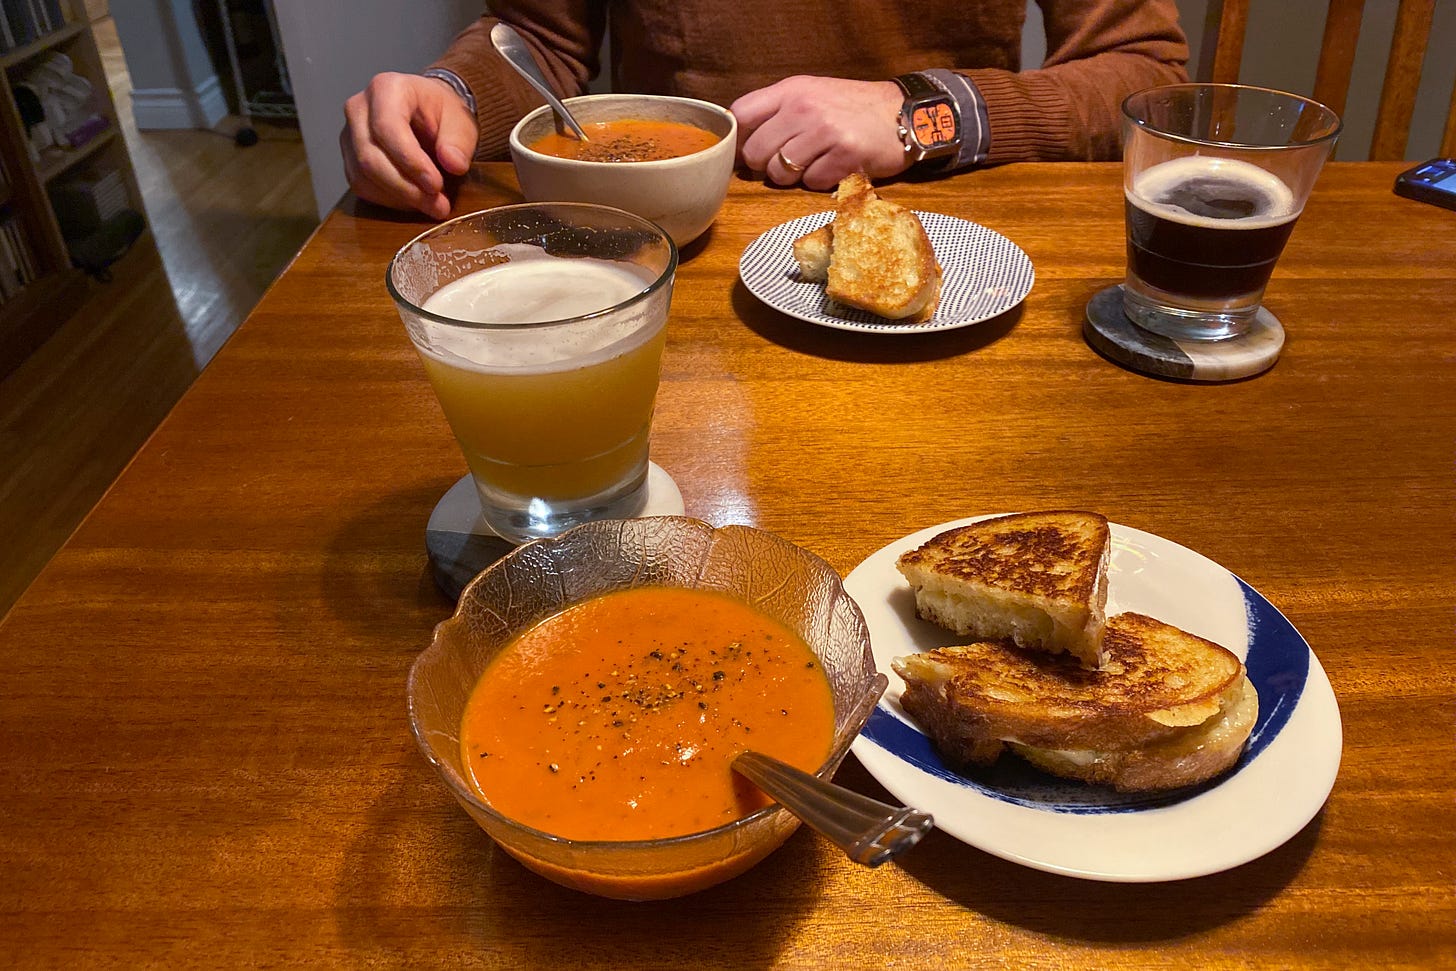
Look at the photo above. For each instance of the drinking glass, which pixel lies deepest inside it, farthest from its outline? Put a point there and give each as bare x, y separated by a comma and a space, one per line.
541, 328
1214, 178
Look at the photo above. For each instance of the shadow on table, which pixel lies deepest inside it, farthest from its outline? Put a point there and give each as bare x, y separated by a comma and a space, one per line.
861, 347
421, 871
1089, 910
376, 571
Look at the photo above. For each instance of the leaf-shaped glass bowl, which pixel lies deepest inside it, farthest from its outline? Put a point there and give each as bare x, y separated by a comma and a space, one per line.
541, 578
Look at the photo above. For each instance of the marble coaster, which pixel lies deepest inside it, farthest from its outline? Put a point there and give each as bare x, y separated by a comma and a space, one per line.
1110, 331
460, 544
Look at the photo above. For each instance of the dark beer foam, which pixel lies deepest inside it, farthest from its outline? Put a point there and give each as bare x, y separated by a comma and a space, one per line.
1199, 190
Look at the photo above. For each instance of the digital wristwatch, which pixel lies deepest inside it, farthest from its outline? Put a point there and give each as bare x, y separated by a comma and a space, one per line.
930, 124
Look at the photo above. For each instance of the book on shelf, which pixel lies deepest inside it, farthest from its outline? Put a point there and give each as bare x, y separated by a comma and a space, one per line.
9, 271
15, 271
21, 250
54, 15
21, 20
84, 203
40, 16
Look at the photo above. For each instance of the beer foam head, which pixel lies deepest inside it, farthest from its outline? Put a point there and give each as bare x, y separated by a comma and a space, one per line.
533, 291
557, 293
1201, 190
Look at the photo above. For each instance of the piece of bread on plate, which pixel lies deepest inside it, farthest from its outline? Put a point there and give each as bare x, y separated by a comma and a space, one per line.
1168, 709
875, 255
1038, 579
882, 260
812, 251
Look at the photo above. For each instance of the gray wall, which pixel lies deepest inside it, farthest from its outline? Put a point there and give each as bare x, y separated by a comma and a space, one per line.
333, 48
173, 84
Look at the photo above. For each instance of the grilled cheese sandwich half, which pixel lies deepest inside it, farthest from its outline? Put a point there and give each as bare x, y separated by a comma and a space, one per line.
1038, 579
1167, 708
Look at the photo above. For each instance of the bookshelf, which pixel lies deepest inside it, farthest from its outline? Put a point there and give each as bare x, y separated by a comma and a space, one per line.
68, 194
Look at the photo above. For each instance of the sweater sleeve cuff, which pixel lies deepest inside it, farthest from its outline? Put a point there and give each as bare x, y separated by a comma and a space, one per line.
1015, 133
499, 102
971, 106
456, 82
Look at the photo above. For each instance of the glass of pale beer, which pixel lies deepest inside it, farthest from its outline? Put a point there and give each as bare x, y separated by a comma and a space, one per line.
1214, 178
541, 328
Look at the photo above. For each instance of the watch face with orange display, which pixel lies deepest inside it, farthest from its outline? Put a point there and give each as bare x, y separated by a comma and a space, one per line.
929, 124
934, 124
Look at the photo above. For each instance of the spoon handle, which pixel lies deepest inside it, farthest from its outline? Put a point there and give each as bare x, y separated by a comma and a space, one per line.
514, 50
869, 831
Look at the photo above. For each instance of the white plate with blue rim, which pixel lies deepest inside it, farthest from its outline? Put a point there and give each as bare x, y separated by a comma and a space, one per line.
984, 275
1018, 813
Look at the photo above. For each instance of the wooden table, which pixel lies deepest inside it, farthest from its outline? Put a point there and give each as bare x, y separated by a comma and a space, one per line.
206, 756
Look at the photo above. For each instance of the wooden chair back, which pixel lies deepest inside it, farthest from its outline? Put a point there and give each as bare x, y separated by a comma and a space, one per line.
1228, 22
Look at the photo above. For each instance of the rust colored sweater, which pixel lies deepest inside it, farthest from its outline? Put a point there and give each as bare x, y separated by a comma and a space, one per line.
1098, 51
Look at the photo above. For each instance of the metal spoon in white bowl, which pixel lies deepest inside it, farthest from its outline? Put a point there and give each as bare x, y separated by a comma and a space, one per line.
514, 50
869, 831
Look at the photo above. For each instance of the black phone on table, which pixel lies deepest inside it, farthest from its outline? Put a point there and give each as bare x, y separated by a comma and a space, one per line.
1433, 182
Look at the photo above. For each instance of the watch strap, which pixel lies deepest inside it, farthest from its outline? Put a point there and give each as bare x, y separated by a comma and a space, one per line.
455, 81
916, 85
975, 128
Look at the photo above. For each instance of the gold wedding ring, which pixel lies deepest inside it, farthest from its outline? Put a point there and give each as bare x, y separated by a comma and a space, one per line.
793, 167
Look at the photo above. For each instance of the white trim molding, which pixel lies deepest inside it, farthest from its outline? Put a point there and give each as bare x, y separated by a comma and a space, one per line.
168, 109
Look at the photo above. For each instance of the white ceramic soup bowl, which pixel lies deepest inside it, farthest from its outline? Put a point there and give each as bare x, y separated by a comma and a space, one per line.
682, 195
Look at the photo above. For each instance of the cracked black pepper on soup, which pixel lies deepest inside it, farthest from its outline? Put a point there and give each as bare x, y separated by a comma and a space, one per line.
628, 140
618, 718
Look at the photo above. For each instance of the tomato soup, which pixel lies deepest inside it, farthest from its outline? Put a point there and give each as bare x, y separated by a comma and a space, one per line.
618, 718
628, 140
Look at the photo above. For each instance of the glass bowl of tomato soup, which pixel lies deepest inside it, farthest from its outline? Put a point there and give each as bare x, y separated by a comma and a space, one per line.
586, 699
662, 158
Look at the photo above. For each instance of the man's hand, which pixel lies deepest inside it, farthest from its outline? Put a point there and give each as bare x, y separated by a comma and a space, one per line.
818, 130
399, 134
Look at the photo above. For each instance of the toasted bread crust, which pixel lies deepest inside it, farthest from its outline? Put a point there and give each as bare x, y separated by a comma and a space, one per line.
1036, 578
931, 302
970, 696
1187, 758
882, 260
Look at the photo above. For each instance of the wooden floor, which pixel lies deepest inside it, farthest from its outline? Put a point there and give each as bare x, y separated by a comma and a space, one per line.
224, 221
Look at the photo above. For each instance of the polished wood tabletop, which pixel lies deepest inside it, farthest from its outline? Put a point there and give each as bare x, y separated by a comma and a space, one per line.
207, 760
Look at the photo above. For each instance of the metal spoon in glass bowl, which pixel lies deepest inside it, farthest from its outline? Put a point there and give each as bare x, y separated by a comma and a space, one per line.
868, 830
514, 50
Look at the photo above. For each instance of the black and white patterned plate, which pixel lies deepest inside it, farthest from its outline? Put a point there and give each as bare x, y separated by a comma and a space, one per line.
985, 274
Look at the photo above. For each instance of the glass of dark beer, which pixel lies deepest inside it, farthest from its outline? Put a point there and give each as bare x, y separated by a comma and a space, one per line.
1214, 177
